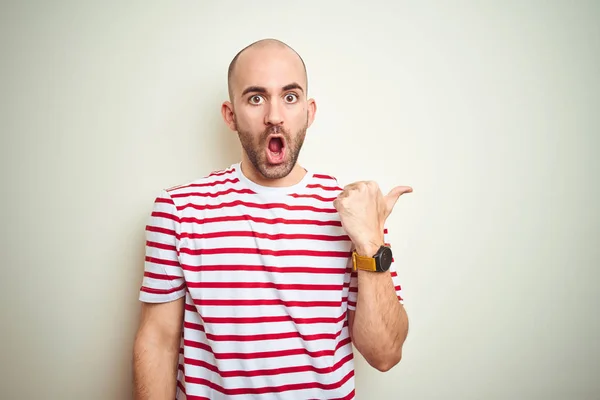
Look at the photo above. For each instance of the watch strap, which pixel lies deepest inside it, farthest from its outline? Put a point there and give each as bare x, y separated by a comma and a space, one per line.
363, 263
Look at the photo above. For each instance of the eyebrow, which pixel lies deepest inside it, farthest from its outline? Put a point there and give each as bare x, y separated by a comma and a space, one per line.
260, 89
293, 86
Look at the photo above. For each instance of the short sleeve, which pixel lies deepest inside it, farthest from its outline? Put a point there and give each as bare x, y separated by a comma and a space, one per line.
353, 290
163, 276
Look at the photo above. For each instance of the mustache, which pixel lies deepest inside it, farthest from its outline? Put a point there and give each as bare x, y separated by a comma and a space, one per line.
276, 130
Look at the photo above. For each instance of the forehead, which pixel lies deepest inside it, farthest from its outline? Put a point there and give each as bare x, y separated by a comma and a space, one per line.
268, 67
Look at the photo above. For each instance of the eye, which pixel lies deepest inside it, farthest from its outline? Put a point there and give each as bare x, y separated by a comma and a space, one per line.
291, 98
256, 99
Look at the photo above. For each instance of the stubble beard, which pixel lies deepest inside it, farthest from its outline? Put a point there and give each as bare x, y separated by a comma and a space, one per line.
256, 151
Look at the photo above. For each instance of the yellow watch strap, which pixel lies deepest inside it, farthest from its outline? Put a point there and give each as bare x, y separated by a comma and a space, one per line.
363, 263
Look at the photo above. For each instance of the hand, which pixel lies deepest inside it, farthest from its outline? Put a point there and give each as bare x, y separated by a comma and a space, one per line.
363, 211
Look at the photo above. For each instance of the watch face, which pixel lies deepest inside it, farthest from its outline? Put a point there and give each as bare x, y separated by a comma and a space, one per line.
385, 259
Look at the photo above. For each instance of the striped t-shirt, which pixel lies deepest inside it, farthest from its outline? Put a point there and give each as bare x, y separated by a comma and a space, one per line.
266, 275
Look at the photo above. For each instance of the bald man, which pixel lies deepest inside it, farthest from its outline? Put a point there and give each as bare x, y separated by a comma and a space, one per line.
260, 277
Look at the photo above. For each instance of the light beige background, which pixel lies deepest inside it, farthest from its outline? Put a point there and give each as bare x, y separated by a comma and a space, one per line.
490, 110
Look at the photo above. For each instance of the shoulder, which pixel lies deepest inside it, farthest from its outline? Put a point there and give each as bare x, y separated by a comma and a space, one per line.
205, 183
208, 185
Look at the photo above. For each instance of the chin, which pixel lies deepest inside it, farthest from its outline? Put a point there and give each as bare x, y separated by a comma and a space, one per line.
276, 171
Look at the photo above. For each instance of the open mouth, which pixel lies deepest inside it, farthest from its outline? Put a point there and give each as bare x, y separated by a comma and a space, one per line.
276, 150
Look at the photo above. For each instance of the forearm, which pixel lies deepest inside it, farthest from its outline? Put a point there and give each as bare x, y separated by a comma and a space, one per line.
154, 369
380, 323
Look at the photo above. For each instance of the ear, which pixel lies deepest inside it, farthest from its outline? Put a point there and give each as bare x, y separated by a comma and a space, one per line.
228, 115
312, 110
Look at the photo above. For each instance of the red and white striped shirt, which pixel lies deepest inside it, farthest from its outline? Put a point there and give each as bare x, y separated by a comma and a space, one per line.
266, 275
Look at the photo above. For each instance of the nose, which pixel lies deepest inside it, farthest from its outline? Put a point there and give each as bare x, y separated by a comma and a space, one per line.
274, 115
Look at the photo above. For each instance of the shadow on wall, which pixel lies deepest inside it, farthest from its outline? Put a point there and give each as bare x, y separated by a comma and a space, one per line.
225, 145
228, 145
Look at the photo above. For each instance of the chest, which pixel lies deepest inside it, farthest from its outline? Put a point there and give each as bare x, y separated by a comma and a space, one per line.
273, 258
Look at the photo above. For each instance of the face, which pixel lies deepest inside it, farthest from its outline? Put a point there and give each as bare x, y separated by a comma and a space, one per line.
274, 151
270, 110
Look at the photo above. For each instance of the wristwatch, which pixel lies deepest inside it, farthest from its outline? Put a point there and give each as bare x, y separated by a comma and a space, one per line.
380, 262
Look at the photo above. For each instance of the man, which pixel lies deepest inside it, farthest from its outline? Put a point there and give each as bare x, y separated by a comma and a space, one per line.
260, 277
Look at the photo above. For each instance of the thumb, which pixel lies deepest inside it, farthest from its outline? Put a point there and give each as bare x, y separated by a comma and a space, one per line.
394, 194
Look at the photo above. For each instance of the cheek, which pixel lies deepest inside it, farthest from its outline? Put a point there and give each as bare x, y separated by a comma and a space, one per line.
248, 120
255, 116
298, 117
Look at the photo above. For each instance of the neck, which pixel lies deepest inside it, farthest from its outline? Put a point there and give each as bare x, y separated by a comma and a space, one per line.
294, 177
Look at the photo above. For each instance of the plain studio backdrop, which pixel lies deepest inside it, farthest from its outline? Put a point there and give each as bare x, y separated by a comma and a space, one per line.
490, 110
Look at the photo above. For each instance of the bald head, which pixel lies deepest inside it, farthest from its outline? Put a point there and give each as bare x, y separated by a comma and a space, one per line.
251, 55
268, 96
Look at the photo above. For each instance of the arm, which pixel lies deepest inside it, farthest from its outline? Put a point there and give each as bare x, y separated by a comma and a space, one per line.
156, 346
156, 350
379, 325
377, 322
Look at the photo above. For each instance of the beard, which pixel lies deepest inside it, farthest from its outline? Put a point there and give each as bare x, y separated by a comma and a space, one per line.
255, 148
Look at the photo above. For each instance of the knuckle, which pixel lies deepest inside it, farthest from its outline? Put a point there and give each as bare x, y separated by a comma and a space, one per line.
372, 185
